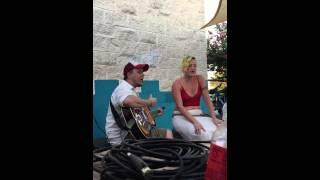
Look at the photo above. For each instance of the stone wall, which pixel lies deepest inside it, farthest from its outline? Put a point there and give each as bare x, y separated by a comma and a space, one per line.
157, 32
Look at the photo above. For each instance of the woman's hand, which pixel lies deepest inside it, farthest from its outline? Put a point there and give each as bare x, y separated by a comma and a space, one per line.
198, 127
217, 122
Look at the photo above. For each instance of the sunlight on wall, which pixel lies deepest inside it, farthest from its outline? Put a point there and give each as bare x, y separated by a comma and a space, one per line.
210, 8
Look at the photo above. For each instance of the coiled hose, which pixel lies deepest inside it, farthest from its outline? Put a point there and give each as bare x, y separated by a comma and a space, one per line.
154, 158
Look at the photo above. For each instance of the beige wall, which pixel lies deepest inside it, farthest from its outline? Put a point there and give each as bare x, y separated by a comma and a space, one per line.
157, 32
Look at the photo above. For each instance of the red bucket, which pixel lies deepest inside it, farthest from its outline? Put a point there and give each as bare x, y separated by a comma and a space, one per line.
217, 163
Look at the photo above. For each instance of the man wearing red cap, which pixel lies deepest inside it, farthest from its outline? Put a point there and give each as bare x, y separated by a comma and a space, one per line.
124, 95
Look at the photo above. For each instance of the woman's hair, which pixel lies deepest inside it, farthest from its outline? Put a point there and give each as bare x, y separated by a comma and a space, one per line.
186, 61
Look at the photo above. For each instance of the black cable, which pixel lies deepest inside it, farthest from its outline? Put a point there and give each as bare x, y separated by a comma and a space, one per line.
99, 150
162, 158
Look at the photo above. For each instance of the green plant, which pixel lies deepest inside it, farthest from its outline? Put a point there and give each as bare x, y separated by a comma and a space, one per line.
217, 46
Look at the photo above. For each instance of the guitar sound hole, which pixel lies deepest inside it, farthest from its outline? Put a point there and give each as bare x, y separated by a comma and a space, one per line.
143, 125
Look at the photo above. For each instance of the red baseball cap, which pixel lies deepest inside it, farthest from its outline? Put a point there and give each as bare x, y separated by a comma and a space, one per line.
131, 66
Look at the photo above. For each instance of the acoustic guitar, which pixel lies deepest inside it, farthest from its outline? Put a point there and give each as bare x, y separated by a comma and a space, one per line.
140, 120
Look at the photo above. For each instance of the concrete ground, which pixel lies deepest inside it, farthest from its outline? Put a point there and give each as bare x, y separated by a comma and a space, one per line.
96, 176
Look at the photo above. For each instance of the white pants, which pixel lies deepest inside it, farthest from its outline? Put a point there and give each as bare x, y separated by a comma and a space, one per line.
187, 130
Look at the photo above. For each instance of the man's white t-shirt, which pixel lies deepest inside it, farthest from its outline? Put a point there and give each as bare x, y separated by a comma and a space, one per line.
114, 133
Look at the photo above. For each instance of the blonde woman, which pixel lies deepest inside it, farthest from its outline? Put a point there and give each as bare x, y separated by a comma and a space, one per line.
188, 119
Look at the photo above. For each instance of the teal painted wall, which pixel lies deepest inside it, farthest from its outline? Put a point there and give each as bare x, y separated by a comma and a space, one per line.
103, 91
